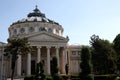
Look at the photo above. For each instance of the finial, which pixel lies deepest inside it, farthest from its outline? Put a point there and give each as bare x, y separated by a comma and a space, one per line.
36, 6
36, 10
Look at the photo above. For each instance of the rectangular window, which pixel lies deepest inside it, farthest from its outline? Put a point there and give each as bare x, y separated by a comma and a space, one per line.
78, 52
73, 52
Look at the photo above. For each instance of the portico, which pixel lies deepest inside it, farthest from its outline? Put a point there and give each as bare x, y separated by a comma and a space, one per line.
44, 53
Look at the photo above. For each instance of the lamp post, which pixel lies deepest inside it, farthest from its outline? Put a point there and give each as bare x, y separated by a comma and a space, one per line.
2, 58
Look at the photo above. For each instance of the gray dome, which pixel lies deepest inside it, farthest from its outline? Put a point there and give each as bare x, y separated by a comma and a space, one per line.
36, 16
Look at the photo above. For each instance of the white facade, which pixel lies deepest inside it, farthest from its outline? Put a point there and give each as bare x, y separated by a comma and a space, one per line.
46, 37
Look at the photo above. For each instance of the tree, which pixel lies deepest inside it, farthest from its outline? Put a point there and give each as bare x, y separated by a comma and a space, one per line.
85, 65
40, 71
14, 47
55, 69
103, 56
37, 72
116, 45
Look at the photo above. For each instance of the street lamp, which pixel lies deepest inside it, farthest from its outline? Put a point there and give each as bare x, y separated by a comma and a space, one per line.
2, 56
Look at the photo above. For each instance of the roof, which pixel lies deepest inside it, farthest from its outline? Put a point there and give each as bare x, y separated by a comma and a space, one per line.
36, 16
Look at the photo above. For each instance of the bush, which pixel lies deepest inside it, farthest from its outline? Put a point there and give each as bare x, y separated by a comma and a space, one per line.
57, 77
105, 77
30, 77
48, 77
85, 65
90, 77
117, 78
73, 77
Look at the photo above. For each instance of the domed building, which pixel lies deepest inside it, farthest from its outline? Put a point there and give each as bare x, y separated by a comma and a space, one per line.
46, 37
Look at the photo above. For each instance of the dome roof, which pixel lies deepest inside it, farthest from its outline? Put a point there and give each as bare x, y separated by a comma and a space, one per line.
36, 16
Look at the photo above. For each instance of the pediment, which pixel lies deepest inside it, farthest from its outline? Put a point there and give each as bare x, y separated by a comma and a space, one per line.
46, 37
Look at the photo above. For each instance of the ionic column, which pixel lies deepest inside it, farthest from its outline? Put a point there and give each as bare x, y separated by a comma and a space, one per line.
48, 60
57, 55
28, 64
63, 60
19, 65
39, 55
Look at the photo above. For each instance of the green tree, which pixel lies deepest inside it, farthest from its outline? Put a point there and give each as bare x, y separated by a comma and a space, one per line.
14, 47
40, 71
85, 65
55, 69
116, 45
103, 56
37, 72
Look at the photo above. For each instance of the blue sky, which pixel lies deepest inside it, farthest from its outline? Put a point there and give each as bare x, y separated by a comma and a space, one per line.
79, 18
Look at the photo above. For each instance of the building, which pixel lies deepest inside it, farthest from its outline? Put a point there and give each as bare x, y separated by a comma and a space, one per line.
46, 36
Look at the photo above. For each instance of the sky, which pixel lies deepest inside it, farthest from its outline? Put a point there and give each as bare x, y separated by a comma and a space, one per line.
79, 18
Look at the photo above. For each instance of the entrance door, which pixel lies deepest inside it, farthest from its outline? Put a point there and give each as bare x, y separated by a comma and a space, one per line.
33, 67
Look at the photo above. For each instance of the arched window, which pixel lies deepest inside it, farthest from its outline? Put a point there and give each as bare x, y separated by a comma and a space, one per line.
31, 29
22, 30
42, 29
57, 31
50, 30
14, 31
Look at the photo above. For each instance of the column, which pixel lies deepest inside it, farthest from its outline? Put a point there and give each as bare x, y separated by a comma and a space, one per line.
48, 60
39, 55
65, 52
28, 64
19, 66
57, 55
63, 60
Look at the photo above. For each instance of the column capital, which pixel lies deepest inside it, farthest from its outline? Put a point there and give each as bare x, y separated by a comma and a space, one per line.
65, 47
39, 46
48, 47
57, 47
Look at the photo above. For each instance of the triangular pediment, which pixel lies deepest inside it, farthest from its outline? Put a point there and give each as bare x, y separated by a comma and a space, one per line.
44, 36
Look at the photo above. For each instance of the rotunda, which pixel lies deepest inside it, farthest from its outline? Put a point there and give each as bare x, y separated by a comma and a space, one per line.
46, 37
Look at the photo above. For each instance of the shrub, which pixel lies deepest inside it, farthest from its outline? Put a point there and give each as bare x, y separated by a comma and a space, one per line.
55, 74
105, 77
30, 77
85, 65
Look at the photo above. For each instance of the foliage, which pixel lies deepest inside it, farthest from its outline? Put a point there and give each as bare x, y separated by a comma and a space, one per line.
40, 72
85, 65
106, 77
103, 56
55, 69
30, 77
37, 74
116, 45
14, 47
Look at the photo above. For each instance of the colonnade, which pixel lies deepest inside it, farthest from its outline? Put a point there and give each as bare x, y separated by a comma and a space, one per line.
29, 56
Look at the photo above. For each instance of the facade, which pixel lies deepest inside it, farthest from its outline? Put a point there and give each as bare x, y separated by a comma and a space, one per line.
46, 37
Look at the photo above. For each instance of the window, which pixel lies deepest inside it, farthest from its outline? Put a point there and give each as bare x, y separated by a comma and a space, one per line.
15, 31
78, 52
57, 31
22, 30
50, 30
42, 29
73, 52
31, 29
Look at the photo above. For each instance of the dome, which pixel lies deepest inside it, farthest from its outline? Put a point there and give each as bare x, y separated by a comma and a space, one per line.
35, 22
36, 16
